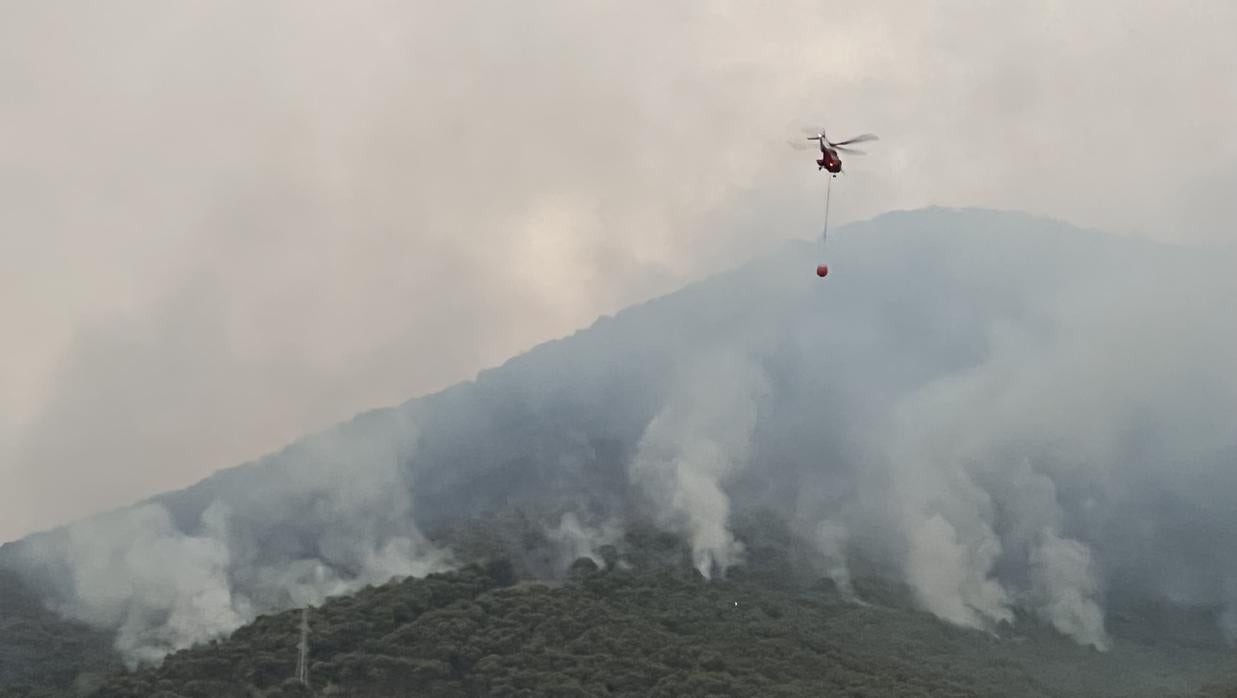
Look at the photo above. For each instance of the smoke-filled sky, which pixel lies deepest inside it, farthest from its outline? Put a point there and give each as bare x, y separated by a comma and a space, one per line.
225, 224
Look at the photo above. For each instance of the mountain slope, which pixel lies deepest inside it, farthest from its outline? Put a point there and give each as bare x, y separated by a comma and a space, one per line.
989, 408
43, 655
647, 630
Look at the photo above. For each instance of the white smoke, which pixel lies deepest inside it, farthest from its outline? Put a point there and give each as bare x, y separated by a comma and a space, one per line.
575, 540
951, 573
334, 515
700, 440
832, 539
161, 589
953, 543
952, 470
1032, 434
946, 519
1064, 582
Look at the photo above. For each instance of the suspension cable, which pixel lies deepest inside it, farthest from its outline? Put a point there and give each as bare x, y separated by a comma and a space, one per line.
824, 236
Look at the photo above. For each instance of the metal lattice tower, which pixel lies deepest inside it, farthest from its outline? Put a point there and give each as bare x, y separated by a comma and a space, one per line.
302, 661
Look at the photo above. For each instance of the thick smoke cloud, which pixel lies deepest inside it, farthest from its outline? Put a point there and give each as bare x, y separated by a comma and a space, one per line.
953, 471
1011, 476
1008, 414
229, 224
1065, 585
160, 589
575, 539
254, 220
324, 517
832, 540
693, 448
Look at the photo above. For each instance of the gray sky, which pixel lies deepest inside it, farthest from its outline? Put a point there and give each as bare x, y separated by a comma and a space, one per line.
225, 224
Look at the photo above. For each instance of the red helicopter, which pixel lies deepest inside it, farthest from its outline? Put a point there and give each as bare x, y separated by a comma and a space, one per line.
831, 161
829, 158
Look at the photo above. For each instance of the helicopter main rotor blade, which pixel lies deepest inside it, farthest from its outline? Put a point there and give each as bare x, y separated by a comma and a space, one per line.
799, 145
852, 151
857, 139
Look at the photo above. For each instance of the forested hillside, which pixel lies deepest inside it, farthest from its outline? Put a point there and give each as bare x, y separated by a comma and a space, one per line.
42, 654
941, 425
637, 626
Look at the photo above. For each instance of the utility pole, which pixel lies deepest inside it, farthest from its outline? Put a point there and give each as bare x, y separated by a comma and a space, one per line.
302, 661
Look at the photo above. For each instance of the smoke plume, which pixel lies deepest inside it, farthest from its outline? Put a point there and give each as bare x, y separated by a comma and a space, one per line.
1017, 418
575, 540
326, 516
694, 447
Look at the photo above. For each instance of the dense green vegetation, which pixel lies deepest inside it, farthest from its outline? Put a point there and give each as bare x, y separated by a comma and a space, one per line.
644, 623
645, 628
42, 654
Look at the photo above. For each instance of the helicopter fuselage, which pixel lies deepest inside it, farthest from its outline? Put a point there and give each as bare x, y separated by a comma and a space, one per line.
829, 160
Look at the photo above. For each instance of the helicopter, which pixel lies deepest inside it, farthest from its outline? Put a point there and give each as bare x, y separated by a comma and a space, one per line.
829, 158
831, 161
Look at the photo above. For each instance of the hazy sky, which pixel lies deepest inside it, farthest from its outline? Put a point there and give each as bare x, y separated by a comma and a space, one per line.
225, 224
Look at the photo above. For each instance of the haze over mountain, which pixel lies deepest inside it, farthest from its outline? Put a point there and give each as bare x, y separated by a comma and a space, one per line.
230, 224
1005, 412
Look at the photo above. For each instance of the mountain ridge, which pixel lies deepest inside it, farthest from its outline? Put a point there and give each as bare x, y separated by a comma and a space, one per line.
787, 248
842, 404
